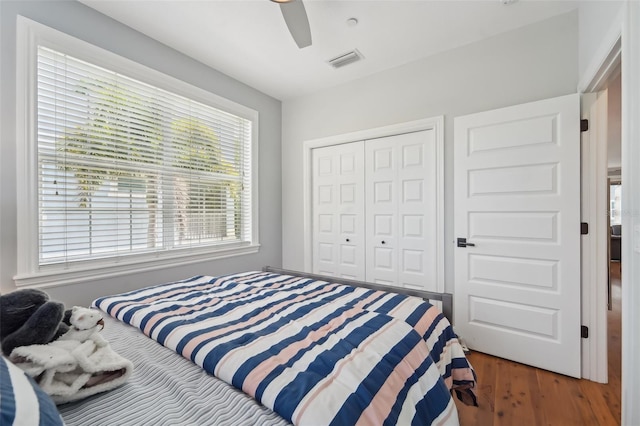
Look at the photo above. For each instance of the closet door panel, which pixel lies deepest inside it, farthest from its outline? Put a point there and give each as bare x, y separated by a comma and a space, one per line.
338, 208
380, 212
417, 210
400, 182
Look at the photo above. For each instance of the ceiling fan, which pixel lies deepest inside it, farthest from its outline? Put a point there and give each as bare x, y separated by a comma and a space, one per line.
295, 16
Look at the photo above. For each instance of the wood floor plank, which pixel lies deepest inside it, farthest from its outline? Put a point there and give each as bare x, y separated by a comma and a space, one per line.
485, 368
604, 403
565, 403
514, 405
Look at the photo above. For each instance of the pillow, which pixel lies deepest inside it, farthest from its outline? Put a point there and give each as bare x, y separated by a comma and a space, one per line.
22, 402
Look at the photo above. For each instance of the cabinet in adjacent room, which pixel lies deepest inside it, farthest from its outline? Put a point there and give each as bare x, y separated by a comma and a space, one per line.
374, 210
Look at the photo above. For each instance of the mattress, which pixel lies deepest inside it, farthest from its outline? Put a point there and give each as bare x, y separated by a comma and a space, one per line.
313, 351
164, 389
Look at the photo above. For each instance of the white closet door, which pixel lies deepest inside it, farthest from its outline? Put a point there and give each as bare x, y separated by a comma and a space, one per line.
401, 186
381, 210
338, 210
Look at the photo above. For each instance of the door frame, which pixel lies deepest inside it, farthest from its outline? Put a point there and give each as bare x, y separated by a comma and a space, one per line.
631, 243
594, 261
626, 28
594, 245
433, 123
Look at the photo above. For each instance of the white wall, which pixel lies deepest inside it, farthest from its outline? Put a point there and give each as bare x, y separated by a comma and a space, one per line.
600, 24
82, 22
614, 124
631, 215
531, 63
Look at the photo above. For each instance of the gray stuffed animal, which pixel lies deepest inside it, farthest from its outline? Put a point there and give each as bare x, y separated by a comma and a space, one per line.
28, 317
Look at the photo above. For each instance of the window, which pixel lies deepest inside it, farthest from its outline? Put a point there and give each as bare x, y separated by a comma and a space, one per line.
615, 198
123, 170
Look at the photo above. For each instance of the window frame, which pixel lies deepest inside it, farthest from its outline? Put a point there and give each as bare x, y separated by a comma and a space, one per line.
32, 34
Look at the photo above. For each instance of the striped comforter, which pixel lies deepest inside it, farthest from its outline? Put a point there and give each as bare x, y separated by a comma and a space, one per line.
314, 352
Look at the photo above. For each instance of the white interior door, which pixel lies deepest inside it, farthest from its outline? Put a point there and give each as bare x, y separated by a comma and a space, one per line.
400, 181
517, 199
338, 210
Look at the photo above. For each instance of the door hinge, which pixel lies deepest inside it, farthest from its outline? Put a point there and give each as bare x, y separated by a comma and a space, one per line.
584, 331
584, 125
584, 228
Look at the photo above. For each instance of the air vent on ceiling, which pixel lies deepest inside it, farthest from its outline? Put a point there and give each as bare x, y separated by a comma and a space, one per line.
345, 59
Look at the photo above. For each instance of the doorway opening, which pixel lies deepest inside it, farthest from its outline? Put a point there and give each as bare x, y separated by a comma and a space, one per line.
615, 230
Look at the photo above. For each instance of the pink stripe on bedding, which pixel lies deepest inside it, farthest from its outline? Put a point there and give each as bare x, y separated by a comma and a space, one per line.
191, 346
318, 390
254, 378
184, 310
427, 319
185, 290
383, 401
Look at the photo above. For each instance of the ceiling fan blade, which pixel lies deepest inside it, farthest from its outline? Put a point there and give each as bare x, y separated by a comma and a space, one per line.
295, 16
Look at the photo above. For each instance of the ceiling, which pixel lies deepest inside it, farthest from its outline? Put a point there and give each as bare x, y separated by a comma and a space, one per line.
249, 41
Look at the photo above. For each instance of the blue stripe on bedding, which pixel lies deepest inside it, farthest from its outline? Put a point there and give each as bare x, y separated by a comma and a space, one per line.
22, 401
7, 395
378, 375
432, 403
227, 308
322, 366
429, 407
130, 294
445, 348
255, 361
417, 315
279, 369
393, 302
214, 356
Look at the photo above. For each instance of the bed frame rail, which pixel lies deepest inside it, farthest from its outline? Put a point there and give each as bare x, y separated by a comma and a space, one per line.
445, 298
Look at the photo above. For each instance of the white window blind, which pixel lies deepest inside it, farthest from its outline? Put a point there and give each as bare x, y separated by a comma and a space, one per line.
125, 168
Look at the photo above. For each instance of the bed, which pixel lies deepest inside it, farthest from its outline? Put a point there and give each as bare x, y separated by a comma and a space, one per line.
284, 347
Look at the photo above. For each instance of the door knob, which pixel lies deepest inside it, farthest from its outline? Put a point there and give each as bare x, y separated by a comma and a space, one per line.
347, 240
383, 242
462, 242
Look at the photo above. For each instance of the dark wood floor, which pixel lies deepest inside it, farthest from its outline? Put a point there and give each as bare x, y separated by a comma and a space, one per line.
514, 394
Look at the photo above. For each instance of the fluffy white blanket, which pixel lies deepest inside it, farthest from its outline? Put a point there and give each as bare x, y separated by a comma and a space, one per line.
69, 370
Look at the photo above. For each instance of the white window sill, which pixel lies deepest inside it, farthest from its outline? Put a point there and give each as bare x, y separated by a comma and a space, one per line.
56, 275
